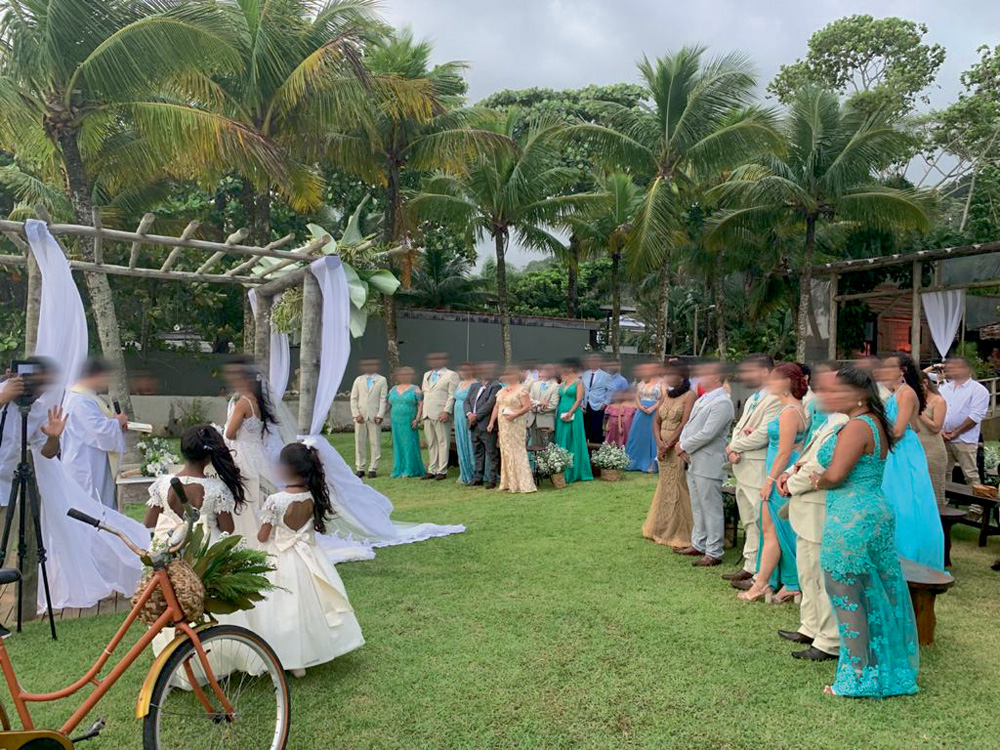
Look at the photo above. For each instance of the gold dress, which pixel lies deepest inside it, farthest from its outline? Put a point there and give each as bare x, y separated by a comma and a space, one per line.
669, 520
512, 435
937, 456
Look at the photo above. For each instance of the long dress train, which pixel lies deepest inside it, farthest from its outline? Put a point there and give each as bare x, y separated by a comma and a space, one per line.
879, 655
785, 573
463, 438
512, 437
572, 436
670, 520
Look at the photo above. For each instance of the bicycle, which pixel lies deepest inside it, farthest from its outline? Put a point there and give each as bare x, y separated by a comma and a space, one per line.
213, 685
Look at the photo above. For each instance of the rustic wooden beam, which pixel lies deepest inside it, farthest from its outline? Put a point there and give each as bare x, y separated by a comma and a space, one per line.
262, 332
189, 230
314, 245
309, 354
944, 253
144, 224
276, 286
141, 273
95, 215
918, 273
984, 284
238, 236
253, 261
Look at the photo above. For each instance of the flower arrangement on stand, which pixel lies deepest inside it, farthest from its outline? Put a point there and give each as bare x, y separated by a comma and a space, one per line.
612, 460
553, 462
157, 458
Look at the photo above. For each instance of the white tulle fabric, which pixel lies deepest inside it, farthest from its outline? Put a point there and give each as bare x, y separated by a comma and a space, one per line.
84, 565
280, 354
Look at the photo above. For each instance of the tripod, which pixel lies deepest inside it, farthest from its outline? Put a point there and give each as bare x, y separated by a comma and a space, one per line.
24, 489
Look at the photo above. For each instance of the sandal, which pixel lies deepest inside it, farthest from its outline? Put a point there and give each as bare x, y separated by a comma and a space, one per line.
755, 593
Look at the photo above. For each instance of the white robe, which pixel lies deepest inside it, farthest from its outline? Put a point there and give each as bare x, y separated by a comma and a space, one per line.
90, 436
10, 449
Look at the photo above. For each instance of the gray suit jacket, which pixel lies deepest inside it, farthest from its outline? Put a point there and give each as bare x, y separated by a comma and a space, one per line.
706, 434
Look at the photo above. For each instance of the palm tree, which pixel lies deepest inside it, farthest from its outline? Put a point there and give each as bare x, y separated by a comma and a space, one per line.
829, 176
607, 229
98, 91
521, 193
441, 281
698, 121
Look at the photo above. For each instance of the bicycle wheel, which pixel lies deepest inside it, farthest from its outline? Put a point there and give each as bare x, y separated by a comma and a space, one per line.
251, 678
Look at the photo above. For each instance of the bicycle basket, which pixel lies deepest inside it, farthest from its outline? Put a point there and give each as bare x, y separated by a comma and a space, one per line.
187, 586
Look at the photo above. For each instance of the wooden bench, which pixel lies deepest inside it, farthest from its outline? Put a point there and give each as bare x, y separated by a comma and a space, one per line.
925, 583
962, 495
949, 517
732, 512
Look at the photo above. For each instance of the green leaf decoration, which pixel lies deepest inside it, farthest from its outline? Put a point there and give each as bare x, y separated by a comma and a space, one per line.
384, 281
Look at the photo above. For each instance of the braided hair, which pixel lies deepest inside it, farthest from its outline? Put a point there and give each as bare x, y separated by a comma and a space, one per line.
304, 462
858, 378
203, 442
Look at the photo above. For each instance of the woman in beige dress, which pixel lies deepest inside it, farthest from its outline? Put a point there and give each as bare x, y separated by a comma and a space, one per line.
669, 520
931, 420
510, 420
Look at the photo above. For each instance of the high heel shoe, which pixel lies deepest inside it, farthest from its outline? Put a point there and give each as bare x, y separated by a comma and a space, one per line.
755, 593
783, 597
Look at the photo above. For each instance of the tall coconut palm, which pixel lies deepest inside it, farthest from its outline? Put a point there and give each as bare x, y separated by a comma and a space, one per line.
828, 175
520, 193
698, 121
441, 281
98, 88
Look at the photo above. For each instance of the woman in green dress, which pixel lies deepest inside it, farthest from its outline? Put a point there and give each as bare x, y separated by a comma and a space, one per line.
405, 407
570, 433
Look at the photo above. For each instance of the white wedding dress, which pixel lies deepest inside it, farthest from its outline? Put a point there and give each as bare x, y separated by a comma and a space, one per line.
249, 449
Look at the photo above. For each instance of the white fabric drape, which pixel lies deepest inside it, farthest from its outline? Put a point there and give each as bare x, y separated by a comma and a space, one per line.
944, 311
279, 354
84, 565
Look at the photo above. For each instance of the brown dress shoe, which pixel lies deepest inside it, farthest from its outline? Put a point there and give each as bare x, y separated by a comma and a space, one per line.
737, 575
707, 562
745, 585
689, 551
439, 477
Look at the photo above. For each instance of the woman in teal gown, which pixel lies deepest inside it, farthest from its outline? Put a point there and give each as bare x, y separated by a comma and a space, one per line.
570, 433
879, 652
777, 578
405, 405
907, 482
463, 438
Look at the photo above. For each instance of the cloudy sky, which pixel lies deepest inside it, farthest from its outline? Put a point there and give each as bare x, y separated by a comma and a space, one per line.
572, 43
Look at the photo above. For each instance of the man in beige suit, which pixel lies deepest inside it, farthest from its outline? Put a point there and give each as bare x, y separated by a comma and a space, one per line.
807, 514
747, 453
544, 395
368, 396
439, 401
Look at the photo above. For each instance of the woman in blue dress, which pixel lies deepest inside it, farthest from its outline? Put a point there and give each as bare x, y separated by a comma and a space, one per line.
907, 482
641, 443
777, 580
463, 438
879, 652
405, 407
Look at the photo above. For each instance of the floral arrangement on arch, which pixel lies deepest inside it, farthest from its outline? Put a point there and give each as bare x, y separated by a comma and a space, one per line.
553, 460
157, 457
610, 456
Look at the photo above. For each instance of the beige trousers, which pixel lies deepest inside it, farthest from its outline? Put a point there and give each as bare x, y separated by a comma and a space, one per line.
963, 454
748, 503
815, 610
367, 445
438, 435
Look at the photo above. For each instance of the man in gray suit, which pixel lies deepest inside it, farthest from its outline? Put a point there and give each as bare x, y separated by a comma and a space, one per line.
478, 406
702, 446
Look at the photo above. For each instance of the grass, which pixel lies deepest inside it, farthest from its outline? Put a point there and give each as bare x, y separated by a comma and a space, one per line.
552, 624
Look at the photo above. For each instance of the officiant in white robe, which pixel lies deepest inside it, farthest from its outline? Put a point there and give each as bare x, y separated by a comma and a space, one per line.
94, 439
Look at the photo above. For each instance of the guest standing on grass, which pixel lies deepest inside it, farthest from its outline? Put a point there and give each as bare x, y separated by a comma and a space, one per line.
509, 420
931, 423
544, 395
907, 482
618, 381
597, 382
879, 651
463, 437
618, 418
368, 405
439, 401
776, 579
669, 519
478, 408
405, 408
641, 444
702, 446
570, 432
968, 402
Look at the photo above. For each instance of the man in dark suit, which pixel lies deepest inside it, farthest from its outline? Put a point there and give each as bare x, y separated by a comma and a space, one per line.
478, 406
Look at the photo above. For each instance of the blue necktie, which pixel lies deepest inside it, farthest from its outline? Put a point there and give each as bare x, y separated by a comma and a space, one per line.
369, 381
434, 377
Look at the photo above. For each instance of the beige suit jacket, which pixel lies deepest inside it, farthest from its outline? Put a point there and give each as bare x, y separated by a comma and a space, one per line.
806, 506
547, 401
753, 447
369, 402
439, 395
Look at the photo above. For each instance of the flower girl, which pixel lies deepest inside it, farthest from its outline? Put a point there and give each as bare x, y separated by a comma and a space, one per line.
217, 498
307, 618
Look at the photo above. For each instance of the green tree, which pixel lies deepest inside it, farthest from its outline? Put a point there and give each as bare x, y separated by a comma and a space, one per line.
700, 120
442, 281
828, 176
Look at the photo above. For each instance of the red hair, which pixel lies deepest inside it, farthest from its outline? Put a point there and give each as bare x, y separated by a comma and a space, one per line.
796, 378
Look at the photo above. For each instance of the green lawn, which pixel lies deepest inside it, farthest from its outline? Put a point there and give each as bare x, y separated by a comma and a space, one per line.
552, 624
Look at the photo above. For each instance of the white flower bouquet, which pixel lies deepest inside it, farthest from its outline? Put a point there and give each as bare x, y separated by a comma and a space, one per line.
157, 458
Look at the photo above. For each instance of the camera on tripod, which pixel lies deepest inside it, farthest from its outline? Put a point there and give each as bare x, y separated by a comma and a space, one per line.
33, 374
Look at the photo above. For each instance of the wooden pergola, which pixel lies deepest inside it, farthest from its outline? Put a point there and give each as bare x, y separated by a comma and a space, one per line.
833, 271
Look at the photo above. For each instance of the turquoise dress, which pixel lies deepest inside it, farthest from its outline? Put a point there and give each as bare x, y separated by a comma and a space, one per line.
785, 573
641, 443
879, 655
406, 458
463, 438
572, 436
908, 487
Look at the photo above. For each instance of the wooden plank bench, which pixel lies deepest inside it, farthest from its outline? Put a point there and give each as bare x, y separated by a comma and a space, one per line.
949, 517
925, 583
989, 523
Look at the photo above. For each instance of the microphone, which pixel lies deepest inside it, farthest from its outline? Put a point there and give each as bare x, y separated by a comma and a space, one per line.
117, 406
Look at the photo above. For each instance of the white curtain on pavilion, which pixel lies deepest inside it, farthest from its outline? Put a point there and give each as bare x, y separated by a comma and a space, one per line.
944, 311
84, 565
279, 355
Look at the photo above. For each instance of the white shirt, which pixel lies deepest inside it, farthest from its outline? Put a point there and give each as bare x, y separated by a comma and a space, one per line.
966, 400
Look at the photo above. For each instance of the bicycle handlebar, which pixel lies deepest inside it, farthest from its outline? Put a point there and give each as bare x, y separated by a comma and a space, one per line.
79, 515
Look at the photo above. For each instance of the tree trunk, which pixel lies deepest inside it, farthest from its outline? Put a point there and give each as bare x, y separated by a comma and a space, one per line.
805, 291
390, 233
33, 306
719, 300
616, 299
662, 307
573, 278
98, 287
500, 239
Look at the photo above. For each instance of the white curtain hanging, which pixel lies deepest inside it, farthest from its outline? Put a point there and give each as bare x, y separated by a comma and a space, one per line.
280, 355
944, 311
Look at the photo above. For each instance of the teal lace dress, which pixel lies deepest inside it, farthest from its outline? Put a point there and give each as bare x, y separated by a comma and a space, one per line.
785, 573
879, 655
406, 458
463, 438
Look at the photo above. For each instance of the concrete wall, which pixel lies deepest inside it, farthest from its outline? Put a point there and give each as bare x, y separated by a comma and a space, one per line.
168, 414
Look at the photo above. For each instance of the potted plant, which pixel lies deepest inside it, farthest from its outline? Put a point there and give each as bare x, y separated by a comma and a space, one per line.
553, 462
612, 460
